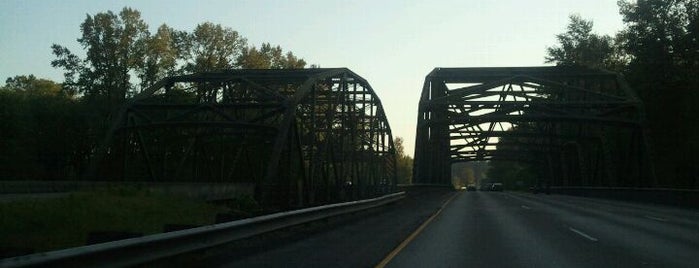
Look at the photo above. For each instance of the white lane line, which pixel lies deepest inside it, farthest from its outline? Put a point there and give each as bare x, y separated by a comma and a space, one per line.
582, 234
525, 207
655, 218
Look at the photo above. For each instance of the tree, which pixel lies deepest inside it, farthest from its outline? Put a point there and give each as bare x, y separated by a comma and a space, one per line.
31, 85
40, 126
73, 65
120, 46
116, 46
578, 46
404, 168
463, 174
51, 130
662, 37
210, 47
269, 57
161, 56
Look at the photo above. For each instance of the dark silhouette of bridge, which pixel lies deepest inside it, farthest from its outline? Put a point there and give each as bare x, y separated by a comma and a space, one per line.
303, 137
314, 136
583, 127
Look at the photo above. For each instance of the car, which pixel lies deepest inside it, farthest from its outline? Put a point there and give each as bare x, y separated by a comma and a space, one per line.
497, 187
486, 187
471, 187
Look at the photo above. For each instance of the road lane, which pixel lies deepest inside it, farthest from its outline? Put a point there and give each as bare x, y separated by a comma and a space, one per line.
626, 230
480, 229
361, 241
523, 230
487, 229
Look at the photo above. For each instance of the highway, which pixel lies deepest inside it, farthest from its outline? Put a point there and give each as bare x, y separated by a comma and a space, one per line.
502, 229
360, 240
442, 228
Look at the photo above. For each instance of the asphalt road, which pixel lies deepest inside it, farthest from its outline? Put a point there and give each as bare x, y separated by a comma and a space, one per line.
478, 229
496, 229
360, 240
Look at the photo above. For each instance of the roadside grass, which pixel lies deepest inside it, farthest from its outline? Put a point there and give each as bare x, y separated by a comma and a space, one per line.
56, 223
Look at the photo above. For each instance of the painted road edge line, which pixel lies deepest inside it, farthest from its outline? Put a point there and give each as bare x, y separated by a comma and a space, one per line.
655, 218
582, 234
412, 236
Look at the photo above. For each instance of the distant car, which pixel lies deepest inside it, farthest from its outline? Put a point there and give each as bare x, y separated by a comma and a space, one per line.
497, 187
486, 187
471, 187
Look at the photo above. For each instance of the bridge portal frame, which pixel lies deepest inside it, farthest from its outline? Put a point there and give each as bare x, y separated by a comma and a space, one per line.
301, 136
586, 126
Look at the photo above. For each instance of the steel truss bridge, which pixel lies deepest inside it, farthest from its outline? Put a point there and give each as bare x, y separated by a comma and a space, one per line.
303, 137
584, 127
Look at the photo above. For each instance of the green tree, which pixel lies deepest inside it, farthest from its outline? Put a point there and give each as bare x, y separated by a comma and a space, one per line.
269, 57
162, 53
41, 128
662, 37
404, 169
31, 85
116, 46
580, 47
120, 46
210, 47
50, 130
463, 174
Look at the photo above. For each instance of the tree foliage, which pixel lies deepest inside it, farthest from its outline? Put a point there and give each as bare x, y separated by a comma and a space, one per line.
51, 130
662, 39
658, 53
579, 46
210, 47
162, 54
115, 48
41, 129
269, 57
123, 57
404, 162
29, 84
463, 174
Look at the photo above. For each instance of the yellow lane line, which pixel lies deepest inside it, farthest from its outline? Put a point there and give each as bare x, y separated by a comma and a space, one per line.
412, 236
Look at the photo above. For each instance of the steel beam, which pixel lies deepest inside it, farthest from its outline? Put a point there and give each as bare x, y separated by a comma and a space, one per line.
569, 112
303, 136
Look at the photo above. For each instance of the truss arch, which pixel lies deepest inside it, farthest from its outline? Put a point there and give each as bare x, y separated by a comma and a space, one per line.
564, 117
302, 136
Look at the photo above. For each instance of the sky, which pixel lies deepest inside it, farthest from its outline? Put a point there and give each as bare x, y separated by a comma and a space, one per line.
393, 44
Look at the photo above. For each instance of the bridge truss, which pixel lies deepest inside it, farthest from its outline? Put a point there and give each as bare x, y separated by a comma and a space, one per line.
584, 127
302, 137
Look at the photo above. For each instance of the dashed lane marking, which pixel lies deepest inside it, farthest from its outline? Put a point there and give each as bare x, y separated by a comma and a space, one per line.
588, 237
526, 207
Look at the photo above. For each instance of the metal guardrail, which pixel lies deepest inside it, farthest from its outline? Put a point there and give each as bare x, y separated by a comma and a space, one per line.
129, 252
426, 185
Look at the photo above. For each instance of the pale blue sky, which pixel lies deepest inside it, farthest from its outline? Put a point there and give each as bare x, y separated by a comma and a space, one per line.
393, 44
